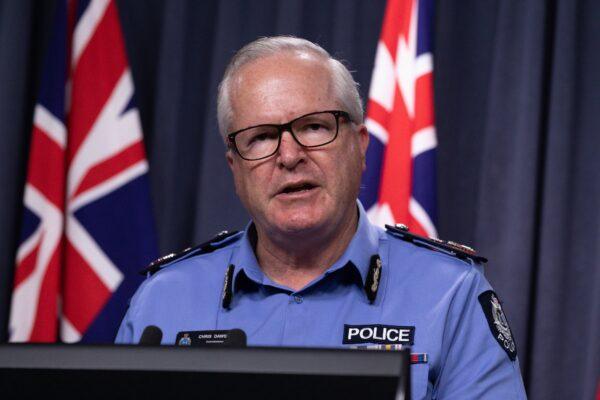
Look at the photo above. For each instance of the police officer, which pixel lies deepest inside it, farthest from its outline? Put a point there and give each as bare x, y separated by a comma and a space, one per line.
310, 270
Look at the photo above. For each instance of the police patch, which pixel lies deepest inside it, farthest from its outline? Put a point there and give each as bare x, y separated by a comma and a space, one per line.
379, 334
498, 324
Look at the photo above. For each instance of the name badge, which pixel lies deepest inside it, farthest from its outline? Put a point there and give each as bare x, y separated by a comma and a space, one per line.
379, 334
223, 338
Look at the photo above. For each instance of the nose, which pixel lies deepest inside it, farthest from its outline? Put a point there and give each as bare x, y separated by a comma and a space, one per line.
290, 152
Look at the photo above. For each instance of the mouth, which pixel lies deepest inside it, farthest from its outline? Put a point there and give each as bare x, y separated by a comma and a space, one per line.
297, 188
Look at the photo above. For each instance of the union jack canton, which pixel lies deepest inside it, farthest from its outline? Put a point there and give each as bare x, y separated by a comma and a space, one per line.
400, 182
87, 223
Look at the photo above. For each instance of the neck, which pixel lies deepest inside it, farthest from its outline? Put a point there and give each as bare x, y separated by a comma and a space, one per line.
296, 260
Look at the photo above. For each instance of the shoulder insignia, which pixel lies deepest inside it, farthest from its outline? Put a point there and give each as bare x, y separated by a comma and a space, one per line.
456, 249
220, 240
492, 308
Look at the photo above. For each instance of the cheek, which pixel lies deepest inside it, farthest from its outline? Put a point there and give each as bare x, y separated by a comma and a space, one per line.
348, 170
241, 184
248, 186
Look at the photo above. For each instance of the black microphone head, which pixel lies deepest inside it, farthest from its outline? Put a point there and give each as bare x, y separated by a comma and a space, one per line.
151, 336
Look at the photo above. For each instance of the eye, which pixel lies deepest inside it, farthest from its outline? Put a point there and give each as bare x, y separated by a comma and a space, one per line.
315, 126
262, 136
259, 137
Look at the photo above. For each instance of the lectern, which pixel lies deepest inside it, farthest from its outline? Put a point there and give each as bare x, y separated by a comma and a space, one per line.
137, 372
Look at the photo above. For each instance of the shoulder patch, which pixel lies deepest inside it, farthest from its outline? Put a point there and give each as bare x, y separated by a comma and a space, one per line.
456, 249
220, 240
498, 323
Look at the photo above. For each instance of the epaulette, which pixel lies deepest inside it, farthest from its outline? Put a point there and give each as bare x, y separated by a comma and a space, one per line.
217, 242
456, 249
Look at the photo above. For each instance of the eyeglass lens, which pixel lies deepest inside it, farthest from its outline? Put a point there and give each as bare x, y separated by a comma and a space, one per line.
311, 130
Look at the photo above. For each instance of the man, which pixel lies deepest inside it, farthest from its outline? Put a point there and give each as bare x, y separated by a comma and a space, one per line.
310, 270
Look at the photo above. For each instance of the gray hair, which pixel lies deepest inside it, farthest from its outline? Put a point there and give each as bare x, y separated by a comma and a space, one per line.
344, 86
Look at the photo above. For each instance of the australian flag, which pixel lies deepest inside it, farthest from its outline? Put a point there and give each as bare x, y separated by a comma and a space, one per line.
87, 223
400, 182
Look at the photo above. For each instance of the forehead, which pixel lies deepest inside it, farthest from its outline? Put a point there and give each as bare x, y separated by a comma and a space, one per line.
276, 89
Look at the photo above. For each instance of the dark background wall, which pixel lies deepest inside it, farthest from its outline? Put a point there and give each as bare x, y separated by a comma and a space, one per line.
517, 109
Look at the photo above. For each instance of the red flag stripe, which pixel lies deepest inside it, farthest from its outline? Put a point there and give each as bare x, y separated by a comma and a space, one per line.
84, 294
46, 167
395, 187
378, 113
45, 327
424, 116
112, 166
396, 21
26, 267
104, 56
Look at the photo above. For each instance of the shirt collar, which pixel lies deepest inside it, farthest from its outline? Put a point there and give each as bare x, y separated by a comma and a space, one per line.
363, 245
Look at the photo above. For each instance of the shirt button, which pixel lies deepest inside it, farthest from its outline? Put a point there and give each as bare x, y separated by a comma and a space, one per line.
298, 299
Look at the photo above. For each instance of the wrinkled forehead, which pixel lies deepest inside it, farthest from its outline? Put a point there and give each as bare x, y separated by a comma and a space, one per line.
279, 68
287, 57
280, 87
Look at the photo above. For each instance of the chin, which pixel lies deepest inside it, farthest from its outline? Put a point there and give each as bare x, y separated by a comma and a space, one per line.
301, 219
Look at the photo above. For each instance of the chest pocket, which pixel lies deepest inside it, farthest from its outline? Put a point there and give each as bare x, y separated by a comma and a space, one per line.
419, 381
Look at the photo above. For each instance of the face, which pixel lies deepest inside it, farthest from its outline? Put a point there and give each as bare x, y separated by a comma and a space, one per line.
297, 190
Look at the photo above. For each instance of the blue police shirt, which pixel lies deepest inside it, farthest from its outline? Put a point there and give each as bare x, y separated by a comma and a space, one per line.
431, 300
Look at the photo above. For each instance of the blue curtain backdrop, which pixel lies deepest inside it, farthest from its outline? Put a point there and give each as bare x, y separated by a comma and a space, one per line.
517, 107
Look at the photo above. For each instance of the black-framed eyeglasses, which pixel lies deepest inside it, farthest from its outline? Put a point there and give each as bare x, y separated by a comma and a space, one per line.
310, 130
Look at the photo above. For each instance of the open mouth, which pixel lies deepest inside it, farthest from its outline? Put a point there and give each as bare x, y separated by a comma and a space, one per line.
297, 188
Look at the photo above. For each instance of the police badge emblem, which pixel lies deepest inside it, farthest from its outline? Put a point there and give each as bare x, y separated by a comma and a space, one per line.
185, 340
498, 323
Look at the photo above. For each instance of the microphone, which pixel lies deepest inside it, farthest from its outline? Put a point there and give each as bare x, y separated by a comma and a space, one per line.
151, 336
223, 338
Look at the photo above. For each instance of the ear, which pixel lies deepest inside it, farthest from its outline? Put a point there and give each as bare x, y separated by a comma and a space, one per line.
229, 157
363, 138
